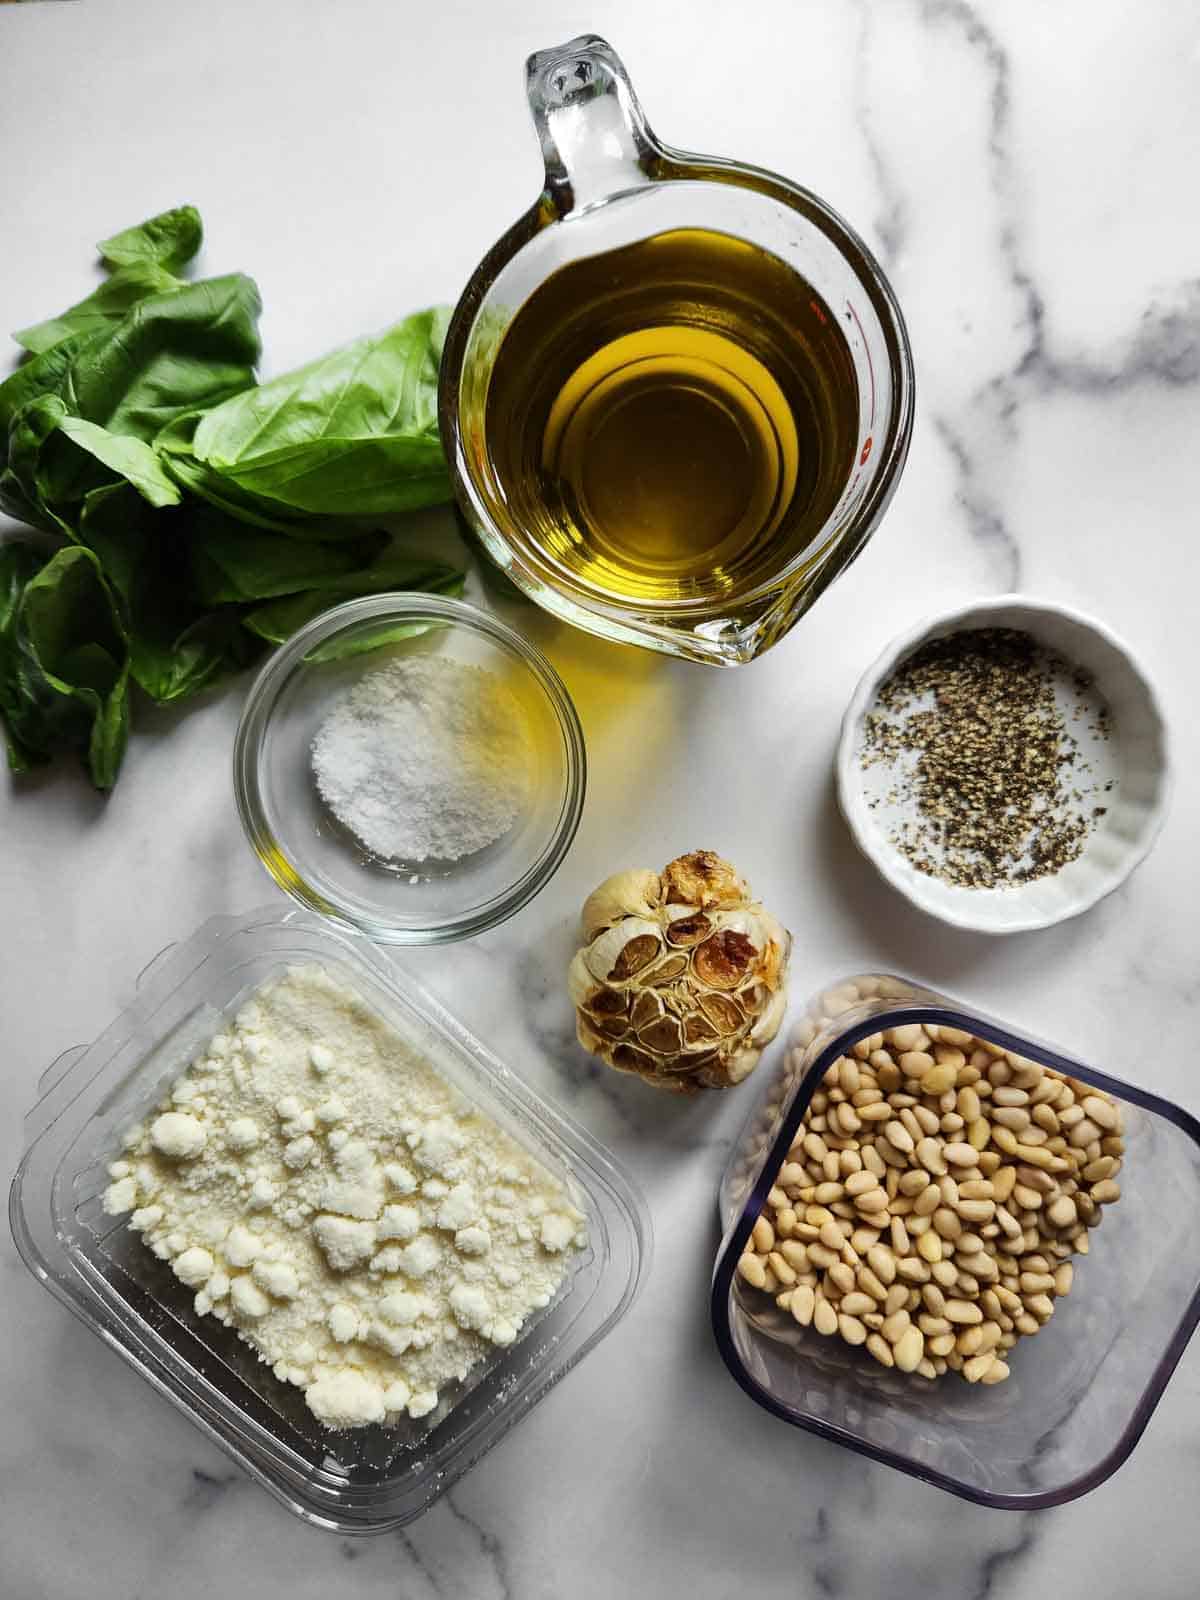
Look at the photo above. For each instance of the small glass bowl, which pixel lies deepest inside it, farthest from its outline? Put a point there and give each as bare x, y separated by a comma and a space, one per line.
315, 859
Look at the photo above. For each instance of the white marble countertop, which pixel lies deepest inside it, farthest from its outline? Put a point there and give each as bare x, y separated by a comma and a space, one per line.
1027, 173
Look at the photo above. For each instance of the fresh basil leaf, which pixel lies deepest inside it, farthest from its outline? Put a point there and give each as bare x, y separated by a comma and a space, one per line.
17, 503
174, 449
177, 644
171, 668
353, 434
171, 353
48, 373
110, 735
280, 619
64, 677
233, 563
24, 485
134, 460
70, 621
104, 306
168, 240
19, 562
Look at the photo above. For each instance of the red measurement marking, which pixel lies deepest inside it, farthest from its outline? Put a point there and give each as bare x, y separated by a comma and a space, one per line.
867, 358
818, 313
866, 451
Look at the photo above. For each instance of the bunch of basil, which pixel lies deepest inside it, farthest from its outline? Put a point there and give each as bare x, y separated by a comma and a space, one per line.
198, 518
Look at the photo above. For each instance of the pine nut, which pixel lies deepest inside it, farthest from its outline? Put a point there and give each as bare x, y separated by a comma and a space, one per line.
916, 1179
909, 1349
913, 1270
929, 1154
851, 1329
870, 1284
929, 1247
909, 1037
976, 1189
880, 1349
1102, 1112
860, 1183
898, 1135
802, 1305
939, 1078
1035, 1156
968, 1341
841, 1277
895, 1325
831, 1236
825, 1319
880, 1112
897, 1296
857, 1304
933, 1198
763, 1236
782, 1270
883, 1263
1003, 1181
963, 1311
947, 1223
1006, 1096
1014, 1117
754, 1270
928, 1201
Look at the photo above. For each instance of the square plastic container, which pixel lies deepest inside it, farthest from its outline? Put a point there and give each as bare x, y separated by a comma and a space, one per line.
1079, 1394
370, 1479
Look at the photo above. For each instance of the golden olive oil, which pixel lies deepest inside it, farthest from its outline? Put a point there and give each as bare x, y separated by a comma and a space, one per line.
672, 420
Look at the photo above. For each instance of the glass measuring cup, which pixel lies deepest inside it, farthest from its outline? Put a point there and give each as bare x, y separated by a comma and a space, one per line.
611, 183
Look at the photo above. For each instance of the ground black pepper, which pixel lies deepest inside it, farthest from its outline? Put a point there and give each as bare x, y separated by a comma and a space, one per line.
998, 780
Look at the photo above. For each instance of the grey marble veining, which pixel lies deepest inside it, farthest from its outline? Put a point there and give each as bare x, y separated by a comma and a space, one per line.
1026, 174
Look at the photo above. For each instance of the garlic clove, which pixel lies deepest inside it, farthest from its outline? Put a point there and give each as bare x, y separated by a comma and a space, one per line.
636, 893
619, 952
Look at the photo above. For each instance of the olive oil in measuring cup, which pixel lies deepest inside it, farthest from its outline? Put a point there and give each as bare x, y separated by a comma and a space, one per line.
672, 420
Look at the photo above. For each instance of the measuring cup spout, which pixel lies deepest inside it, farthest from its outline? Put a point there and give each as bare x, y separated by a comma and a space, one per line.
596, 142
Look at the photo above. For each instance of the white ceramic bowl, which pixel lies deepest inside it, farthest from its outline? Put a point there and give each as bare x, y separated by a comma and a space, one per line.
1137, 752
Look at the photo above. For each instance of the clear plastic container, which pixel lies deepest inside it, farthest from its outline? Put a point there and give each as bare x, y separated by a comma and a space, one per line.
366, 1480
1079, 1394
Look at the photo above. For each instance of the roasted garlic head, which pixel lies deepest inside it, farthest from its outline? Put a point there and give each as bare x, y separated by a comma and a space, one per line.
683, 977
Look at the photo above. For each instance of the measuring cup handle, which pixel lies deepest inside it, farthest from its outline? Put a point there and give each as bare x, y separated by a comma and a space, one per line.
595, 139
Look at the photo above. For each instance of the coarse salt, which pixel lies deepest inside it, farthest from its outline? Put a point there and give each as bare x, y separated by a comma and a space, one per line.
425, 758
